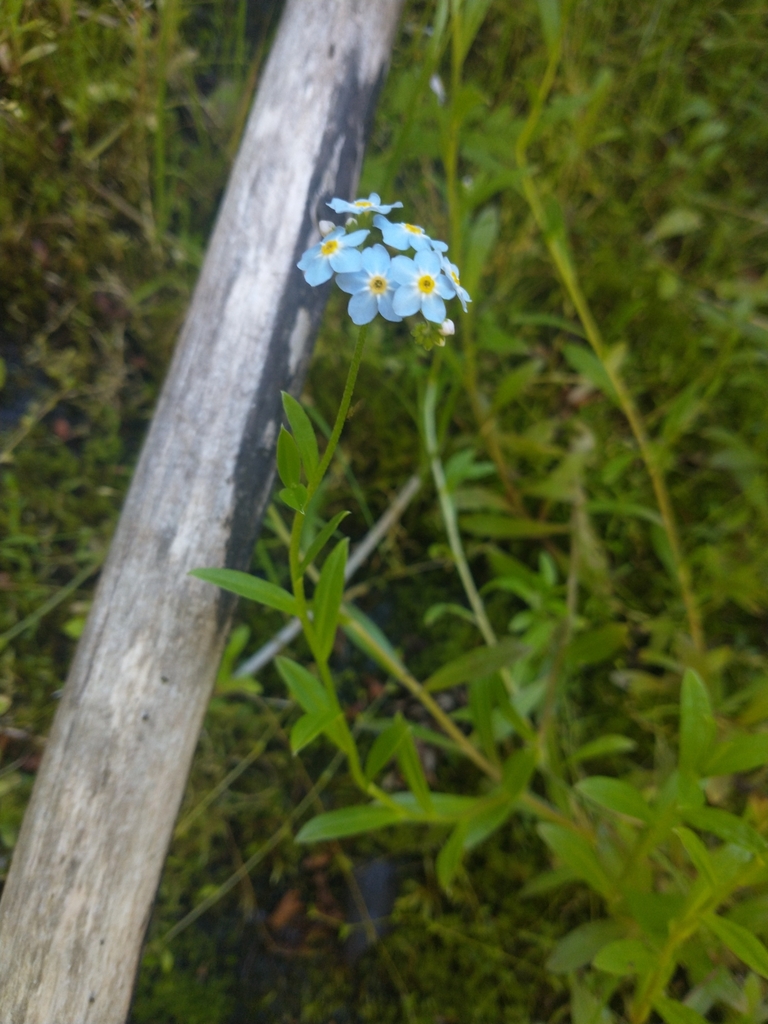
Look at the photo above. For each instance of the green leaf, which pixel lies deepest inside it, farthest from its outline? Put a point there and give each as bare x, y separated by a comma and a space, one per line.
549, 14
449, 858
615, 795
727, 827
576, 853
366, 635
742, 943
697, 723
303, 433
383, 750
739, 754
596, 645
653, 910
309, 727
698, 853
602, 747
579, 946
410, 765
481, 701
516, 383
309, 693
321, 540
680, 221
251, 587
348, 821
590, 367
625, 957
547, 881
327, 598
481, 239
507, 527
288, 459
486, 820
517, 771
673, 1012
475, 664
294, 497
473, 15
446, 807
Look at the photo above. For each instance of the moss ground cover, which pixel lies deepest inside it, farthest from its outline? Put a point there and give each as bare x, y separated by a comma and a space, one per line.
626, 195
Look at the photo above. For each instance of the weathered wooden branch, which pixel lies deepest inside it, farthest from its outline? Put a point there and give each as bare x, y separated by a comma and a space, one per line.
87, 864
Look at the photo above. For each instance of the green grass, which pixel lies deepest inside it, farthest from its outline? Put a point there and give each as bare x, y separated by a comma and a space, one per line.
648, 159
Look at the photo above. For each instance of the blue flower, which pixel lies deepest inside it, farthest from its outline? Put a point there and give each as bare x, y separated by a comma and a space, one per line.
372, 204
451, 271
371, 287
336, 252
422, 286
438, 246
403, 236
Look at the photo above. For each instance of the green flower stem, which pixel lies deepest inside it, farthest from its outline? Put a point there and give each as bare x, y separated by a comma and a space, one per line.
457, 548
341, 415
561, 258
527, 800
486, 421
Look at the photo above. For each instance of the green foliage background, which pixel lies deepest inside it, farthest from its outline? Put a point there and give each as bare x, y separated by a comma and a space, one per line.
117, 126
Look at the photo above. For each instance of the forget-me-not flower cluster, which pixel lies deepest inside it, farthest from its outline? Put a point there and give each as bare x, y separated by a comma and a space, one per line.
394, 287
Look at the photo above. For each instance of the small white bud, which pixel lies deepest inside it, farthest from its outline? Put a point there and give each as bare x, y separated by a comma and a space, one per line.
326, 227
350, 222
437, 87
447, 328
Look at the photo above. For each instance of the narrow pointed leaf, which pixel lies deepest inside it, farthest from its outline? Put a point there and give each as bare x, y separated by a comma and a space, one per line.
309, 727
449, 858
488, 818
576, 853
739, 754
476, 664
741, 942
348, 821
308, 692
294, 497
698, 853
327, 599
673, 1012
578, 947
727, 827
288, 459
604, 746
697, 723
615, 795
251, 587
321, 540
481, 710
625, 957
410, 765
517, 771
383, 750
303, 433
366, 635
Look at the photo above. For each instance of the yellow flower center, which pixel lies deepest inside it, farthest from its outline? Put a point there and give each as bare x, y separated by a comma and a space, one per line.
378, 285
426, 284
455, 278
363, 203
414, 229
330, 247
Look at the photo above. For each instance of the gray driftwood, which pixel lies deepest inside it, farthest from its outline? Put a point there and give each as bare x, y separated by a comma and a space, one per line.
87, 864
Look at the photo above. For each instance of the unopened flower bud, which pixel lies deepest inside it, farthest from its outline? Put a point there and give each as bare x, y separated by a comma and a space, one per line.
326, 227
350, 222
447, 328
